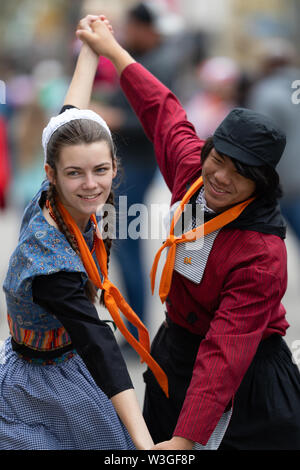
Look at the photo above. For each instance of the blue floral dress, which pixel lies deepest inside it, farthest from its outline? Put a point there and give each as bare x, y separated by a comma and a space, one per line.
55, 404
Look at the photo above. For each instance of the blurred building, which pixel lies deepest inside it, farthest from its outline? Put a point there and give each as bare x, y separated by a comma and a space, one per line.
38, 45
253, 22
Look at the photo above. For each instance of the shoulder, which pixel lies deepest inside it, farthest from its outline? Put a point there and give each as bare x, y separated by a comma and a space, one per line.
42, 250
33, 208
48, 218
241, 248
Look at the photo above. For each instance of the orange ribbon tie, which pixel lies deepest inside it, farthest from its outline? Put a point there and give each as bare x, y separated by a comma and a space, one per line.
113, 298
212, 225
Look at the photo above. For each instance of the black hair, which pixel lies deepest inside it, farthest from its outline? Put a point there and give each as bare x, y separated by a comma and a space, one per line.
266, 179
141, 13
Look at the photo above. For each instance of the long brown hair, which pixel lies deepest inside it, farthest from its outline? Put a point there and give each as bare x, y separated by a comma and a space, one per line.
79, 131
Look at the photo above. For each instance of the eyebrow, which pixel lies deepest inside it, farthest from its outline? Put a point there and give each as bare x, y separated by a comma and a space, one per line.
217, 154
80, 168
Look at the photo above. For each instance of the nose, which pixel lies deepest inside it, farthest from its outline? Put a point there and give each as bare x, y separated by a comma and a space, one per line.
89, 181
222, 177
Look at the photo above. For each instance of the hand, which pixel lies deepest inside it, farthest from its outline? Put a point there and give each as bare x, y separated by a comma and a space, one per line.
176, 443
86, 22
97, 32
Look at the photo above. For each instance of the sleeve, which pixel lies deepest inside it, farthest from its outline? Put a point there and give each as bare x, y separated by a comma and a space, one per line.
164, 122
65, 107
62, 294
246, 302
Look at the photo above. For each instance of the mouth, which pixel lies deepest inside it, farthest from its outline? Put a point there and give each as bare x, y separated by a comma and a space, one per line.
89, 197
217, 189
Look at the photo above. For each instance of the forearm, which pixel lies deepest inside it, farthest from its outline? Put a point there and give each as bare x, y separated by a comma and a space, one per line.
81, 86
164, 122
120, 58
127, 407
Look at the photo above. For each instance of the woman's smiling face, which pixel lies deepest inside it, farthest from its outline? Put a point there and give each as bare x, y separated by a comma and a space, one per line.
83, 178
224, 187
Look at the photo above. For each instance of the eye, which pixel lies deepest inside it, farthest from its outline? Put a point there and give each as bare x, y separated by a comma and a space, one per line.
73, 173
217, 159
101, 169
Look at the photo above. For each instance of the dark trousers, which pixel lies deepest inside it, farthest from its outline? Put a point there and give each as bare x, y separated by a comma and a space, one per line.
266, 410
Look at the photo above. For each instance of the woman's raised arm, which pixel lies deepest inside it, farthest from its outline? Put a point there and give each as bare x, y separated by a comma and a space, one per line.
81, 86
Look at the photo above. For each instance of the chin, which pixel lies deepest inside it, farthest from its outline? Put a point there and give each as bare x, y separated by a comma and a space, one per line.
99, 208
215, 206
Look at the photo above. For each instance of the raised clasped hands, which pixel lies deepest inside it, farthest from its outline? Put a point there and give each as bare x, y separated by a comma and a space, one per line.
98, 33
86, 22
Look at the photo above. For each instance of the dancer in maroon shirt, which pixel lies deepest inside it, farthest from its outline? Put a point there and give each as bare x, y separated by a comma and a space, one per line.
222, 341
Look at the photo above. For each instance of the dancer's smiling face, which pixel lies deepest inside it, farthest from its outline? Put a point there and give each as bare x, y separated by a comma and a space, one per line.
224, 187
83, 178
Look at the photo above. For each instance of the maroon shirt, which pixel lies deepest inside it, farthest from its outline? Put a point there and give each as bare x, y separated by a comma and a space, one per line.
238, 301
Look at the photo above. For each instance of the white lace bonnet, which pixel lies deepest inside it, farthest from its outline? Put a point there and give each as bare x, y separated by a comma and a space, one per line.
67, 116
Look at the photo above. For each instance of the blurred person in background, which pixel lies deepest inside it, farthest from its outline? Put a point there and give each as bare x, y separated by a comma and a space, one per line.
148, 33
218, 81
33, 98
28, 123
4, 163
271, 94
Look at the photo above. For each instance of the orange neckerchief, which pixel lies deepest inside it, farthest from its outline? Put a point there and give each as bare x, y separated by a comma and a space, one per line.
113, 298
214, 224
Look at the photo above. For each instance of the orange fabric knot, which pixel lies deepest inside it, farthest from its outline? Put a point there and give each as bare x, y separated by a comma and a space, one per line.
212, 225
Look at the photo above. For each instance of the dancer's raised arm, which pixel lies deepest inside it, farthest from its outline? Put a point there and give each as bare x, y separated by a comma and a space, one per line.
81, 86
158, 109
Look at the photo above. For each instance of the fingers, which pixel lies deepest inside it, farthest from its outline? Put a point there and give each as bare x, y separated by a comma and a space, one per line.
86, 36
99, 21
101, 27
98, 35
86, 22
108, 25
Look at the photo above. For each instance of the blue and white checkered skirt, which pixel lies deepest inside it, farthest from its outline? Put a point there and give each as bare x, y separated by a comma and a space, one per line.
55, 407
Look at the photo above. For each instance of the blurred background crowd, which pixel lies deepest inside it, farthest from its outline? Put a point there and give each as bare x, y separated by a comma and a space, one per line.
213, 54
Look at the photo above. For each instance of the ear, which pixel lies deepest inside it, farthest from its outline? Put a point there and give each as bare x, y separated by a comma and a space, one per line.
50, 173
115, 169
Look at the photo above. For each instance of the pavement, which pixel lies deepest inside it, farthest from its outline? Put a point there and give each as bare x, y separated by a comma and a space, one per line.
158, 194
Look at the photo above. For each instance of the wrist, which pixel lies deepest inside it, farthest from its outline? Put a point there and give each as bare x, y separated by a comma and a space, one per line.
120, 58
182, 443
88, 53
143, 444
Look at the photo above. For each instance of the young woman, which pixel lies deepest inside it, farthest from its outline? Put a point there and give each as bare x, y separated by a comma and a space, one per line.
64, 383
222, 342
